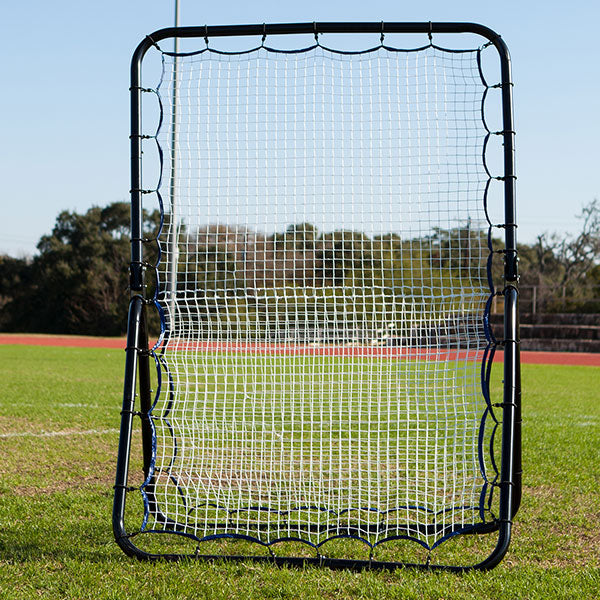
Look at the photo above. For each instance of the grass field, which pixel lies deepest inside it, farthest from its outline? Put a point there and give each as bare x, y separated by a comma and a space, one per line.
59, 414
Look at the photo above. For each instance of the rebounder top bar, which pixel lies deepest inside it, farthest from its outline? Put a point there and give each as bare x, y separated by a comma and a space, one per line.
428, 27
320, 27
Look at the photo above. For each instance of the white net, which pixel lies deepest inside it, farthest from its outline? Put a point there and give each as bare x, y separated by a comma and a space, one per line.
321, 369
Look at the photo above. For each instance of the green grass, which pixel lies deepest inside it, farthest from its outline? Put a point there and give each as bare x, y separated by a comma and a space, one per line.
56, 495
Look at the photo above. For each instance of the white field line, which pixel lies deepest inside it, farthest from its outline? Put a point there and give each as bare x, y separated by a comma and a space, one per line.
58, 404
57, 433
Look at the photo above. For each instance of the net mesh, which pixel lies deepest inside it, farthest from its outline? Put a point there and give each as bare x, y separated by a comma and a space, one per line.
323, 334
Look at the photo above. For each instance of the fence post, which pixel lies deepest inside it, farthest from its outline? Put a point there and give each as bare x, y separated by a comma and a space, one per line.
534, 300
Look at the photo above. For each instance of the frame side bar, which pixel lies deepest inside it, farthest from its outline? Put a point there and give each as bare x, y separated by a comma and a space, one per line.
512, 367
134, 326
510, 468
508, 485
136, 274
510, 481
145, 393
511, 272
517, 464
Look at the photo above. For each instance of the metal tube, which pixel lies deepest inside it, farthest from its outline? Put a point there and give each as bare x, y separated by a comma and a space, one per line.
136, 274
326, 27
173, 256
511, 408
511, 468
129, 389
511, 273
145, 392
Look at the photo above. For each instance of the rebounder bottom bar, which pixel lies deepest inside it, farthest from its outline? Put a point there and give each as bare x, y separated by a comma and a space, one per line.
333, 563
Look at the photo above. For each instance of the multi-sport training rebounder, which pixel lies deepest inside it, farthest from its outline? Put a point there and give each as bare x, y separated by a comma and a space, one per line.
324, 271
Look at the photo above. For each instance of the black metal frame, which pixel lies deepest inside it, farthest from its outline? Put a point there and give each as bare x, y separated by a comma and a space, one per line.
137, 354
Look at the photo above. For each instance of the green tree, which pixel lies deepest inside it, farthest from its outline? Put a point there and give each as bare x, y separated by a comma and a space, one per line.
78, 283
15, 278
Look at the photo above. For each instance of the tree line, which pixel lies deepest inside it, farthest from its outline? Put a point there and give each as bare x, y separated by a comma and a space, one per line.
245, 280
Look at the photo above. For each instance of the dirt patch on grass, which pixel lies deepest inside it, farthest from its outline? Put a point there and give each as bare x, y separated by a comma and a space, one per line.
578, 550
558, 527
104, 480
17, 424
540, 491
50, 465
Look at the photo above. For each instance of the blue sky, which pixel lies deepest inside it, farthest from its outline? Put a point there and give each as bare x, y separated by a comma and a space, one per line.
65, 111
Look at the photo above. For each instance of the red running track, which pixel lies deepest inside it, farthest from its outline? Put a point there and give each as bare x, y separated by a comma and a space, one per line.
540, 358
